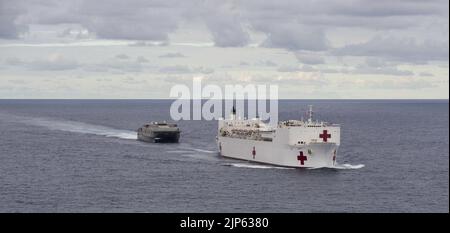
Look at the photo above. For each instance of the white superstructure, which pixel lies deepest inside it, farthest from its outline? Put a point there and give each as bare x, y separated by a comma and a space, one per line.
292, 143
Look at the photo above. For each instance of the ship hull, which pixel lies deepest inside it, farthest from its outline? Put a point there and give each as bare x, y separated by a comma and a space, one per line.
311, 155
160, 137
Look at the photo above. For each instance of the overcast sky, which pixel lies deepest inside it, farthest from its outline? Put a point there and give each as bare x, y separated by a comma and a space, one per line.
141, 48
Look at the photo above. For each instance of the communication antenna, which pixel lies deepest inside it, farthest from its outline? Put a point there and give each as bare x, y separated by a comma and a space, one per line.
310, 113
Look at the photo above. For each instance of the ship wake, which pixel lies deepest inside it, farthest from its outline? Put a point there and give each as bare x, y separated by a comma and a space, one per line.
257, 166
348, 166
187, 150
75, 127
345, 166
199, 150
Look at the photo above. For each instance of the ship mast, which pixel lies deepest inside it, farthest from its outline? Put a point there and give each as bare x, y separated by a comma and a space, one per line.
233, 114
310, 113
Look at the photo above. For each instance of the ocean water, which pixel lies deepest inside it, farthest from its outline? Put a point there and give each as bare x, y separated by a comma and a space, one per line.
82, 156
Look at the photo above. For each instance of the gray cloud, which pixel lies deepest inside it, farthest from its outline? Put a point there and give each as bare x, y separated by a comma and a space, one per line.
347, 13
288, 69
225, 26
288, 24
309, 68
75, 33
17, 81
268, 63
122, 56
305, 79
132, 20
400, 49
180, 69
121, 63
109, 19
54, 62
385, 8
141, 59
378, 66
172, 55
131, 80
363, 69
295, 37
398, 84
309, 58
426, 74
115, 66
10, 28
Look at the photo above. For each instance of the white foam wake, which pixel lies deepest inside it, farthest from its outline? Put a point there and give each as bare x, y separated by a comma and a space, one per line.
84, 128
203, 151
178, 151
337, 166
341, 166
76, 127
246, 165
188, 147
187, 150
348, 166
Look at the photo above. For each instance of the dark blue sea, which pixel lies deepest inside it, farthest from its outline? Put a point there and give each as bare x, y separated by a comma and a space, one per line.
82, 156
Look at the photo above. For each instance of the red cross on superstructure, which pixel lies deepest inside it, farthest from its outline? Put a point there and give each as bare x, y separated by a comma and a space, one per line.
302, 158
325, 135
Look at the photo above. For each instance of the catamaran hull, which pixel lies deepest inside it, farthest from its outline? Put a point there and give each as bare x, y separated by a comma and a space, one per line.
319, 154
166, 137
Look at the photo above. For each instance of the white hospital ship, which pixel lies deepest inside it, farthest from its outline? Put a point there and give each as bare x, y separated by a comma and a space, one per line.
292, 143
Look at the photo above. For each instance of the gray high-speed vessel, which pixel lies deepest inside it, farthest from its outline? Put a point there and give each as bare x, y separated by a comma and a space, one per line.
159, 132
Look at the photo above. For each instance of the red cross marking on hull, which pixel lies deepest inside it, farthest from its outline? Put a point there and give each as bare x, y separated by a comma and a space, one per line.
302, 158
325, 135
253, 152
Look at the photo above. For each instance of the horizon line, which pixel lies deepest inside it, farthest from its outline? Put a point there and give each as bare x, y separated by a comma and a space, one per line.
215, 99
